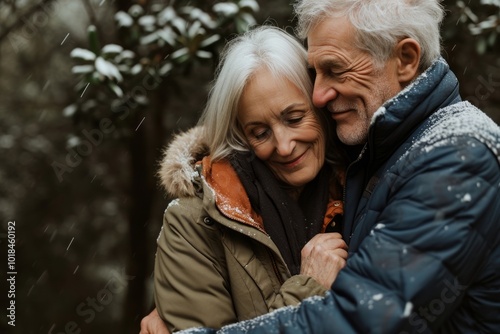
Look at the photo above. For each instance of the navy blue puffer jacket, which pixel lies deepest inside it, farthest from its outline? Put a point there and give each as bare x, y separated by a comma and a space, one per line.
422, 220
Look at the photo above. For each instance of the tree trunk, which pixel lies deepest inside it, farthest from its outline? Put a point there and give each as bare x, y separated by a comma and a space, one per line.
141, 198
145, 150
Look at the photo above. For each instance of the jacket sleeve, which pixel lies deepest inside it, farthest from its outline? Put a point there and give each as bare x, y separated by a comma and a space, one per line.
438, 226
295, 289
191, 287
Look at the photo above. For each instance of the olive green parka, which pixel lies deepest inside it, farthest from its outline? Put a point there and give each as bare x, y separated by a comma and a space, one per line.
215, 264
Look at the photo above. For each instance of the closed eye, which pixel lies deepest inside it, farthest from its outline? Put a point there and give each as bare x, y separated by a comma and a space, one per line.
292, 117
333, 68
260, 134
294, 120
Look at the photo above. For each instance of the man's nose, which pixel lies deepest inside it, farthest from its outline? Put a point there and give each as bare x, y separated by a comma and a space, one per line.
323, 93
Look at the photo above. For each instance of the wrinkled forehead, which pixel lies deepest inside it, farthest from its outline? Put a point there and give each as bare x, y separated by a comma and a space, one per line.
333, 35
337, 28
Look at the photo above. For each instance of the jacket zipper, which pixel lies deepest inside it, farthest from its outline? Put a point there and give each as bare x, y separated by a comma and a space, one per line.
349, 167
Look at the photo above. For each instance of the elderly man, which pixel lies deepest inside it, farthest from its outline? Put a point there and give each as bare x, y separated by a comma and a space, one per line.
422, 194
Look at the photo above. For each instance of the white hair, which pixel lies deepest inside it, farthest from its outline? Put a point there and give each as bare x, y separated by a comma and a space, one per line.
380, 24
264, 47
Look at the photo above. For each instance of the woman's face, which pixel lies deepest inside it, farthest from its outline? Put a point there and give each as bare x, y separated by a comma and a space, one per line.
282, 128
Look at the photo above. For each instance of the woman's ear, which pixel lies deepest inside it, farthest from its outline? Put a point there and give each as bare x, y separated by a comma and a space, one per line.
408, 57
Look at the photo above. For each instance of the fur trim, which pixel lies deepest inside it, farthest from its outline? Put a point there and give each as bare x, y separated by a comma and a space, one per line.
177, 166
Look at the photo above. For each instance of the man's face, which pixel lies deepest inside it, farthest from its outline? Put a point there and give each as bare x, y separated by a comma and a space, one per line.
347, 82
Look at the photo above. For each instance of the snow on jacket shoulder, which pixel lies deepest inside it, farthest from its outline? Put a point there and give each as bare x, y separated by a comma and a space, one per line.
423, 231
215, 264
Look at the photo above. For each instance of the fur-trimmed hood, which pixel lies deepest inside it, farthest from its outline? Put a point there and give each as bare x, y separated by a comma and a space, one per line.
179, 158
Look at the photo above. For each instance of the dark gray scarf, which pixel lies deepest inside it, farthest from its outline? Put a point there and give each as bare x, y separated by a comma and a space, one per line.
290, 224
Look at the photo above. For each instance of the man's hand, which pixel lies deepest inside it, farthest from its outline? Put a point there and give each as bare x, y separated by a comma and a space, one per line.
323, 257
153, 324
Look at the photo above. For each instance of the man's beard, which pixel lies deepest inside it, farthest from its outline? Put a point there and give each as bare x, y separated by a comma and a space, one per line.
358, 134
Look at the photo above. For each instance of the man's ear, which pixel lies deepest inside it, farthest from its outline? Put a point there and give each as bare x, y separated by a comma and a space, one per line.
408, 59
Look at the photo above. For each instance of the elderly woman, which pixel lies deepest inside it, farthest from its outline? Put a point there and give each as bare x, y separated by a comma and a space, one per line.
245, 235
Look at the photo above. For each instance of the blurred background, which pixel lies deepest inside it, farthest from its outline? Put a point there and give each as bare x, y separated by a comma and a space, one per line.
90, 92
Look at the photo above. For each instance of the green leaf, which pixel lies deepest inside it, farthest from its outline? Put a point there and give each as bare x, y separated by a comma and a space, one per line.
492, 38
165, 69
112, 49
481, 46
136, 69
250, 4
181, 53
82, 54
70, 110
203, 54
136, 10
93, 39
116, 89
82, 69
226, 9
210, 40
108, 69
168, 35
123, 19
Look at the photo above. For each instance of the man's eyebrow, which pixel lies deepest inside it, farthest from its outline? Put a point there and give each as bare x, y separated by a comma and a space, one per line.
330, 64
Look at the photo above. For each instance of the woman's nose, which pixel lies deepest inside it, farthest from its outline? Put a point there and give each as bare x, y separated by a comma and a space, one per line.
285, 143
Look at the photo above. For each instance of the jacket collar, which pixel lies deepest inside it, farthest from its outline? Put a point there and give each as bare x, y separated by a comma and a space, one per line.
398, 118
231, 198
392, 126
230, 195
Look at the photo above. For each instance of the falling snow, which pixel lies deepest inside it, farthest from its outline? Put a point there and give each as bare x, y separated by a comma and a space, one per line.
64, 40
466, 198
408, 309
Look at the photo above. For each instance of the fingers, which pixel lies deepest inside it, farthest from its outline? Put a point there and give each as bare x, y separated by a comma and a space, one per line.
323, 257
324, 266
325, 236
144, 325
153, 324
324, 242
342, 253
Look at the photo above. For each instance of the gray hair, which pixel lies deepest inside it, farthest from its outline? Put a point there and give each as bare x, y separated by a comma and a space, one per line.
264, 47
380, 24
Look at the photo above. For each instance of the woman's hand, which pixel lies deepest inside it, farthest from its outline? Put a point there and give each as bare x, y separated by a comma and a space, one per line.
153, 324
323, 257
